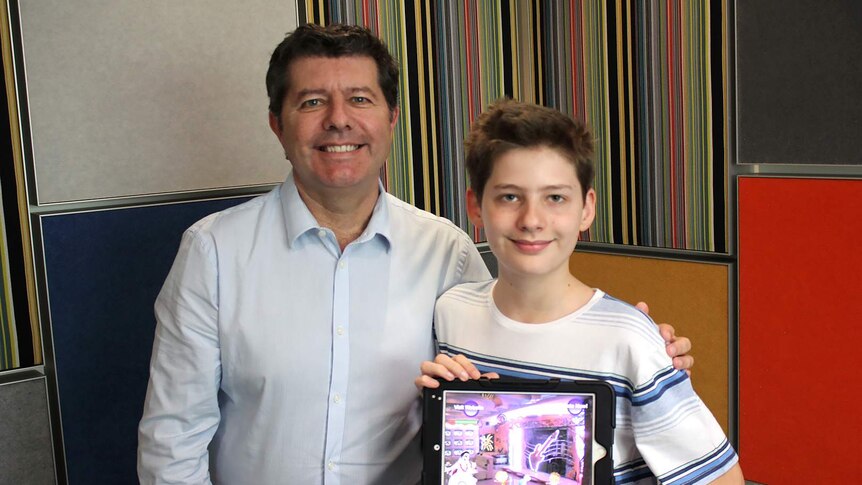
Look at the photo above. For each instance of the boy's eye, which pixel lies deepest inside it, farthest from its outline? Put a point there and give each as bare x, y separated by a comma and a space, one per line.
509, 197
556, 198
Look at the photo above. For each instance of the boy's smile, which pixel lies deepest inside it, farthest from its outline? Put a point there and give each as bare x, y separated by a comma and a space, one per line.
533, 210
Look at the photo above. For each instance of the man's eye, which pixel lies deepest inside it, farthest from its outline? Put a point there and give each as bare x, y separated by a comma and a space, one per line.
360, 99
311, 103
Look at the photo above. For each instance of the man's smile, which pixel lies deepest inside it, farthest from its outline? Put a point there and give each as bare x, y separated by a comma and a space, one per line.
338, 148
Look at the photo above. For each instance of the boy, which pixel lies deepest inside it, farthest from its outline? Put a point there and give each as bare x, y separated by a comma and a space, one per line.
531, 178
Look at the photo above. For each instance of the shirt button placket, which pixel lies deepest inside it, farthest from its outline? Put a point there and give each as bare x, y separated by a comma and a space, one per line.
340, 370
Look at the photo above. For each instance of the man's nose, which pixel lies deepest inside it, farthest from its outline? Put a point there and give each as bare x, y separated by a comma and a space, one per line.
337, 117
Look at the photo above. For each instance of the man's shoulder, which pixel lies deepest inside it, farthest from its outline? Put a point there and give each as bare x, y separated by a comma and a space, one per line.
418, 220
234, 220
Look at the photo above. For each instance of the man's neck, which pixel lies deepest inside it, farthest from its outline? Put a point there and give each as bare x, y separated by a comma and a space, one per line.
540, 299
345, 212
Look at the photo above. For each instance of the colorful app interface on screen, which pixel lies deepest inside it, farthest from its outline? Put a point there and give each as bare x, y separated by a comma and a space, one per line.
515, 439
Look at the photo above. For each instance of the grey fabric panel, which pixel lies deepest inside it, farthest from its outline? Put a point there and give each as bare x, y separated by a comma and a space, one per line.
132, 98
26, 452
799, 98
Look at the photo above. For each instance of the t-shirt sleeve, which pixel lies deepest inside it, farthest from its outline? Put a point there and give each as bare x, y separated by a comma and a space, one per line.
674, 431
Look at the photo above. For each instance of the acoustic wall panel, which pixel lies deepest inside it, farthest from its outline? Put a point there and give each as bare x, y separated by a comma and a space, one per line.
131, 98
104, 271
800, 277
693, 297
26, 455
648, 77
797, 81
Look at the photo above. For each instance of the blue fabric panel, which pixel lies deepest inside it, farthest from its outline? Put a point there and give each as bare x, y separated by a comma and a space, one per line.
104, 271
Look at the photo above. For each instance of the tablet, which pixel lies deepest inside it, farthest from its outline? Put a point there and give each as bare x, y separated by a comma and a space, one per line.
518, 432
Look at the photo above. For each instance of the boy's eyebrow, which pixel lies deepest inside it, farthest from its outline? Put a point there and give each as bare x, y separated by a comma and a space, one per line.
544, 187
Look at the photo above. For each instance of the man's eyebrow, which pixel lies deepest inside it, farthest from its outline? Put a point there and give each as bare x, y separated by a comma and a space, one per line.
351, 90
302, 93
360, 89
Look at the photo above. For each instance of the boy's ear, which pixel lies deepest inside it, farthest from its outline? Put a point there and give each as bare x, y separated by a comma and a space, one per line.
474, 211
588, 215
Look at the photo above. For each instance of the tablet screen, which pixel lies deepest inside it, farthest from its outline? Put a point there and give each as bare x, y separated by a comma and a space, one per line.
517, 438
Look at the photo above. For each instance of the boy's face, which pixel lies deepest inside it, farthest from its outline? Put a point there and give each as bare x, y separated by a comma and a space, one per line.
532, 210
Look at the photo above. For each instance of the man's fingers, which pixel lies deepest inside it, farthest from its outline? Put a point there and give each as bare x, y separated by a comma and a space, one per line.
682, 345
642, 306
684, 362
667, 332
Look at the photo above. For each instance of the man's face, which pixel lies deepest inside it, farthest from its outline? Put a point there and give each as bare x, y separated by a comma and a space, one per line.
533, 210
336, 128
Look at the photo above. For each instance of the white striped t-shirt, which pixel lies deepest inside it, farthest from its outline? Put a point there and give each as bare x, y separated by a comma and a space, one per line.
663, 429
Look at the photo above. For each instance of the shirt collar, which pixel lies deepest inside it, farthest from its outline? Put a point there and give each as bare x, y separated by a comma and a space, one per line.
298, 220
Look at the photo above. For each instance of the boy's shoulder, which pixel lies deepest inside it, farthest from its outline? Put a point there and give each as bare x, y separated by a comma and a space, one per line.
606, 303
611, 312
470, 292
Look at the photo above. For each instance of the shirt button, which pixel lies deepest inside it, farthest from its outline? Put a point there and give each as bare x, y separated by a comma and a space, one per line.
336, 399
339, 330
342, 264
330, 465
321, 233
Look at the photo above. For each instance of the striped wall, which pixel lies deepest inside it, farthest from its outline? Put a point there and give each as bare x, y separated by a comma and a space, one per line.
8, 334
648, 76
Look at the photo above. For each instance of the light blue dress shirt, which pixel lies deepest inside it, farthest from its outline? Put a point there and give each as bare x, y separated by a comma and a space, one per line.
278, 358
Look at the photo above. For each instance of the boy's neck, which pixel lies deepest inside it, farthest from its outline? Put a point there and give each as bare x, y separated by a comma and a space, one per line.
540, 299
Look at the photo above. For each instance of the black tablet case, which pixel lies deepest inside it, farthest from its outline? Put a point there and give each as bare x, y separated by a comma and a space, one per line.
434, 409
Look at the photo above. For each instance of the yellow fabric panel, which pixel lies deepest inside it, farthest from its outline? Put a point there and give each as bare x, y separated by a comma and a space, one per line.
693, 297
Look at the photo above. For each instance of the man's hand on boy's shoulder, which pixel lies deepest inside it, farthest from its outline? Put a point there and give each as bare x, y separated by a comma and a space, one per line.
448, 368
677, 347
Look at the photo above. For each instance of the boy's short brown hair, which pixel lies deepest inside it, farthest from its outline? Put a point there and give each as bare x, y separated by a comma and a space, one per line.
509, 124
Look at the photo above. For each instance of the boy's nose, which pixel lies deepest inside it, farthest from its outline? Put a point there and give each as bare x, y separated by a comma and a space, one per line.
530, 219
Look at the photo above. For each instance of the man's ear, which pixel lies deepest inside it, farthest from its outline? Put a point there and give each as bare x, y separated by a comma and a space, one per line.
474, 209
393, 117
275, 125
588, 215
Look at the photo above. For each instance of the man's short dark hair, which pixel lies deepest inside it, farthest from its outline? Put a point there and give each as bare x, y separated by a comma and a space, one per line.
336, 40
507, 125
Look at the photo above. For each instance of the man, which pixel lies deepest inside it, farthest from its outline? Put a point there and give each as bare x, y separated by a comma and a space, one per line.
290, 327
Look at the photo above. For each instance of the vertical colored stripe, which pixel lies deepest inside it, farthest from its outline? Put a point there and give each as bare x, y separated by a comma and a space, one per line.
639, 72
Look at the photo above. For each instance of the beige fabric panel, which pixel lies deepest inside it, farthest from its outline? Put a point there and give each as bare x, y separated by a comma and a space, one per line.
131, 98
693, 297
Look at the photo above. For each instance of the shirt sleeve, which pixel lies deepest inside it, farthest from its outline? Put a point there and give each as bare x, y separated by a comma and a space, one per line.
674, 431
473, 266
181, 412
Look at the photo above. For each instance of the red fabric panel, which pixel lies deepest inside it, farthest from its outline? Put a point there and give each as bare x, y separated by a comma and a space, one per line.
800, 328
